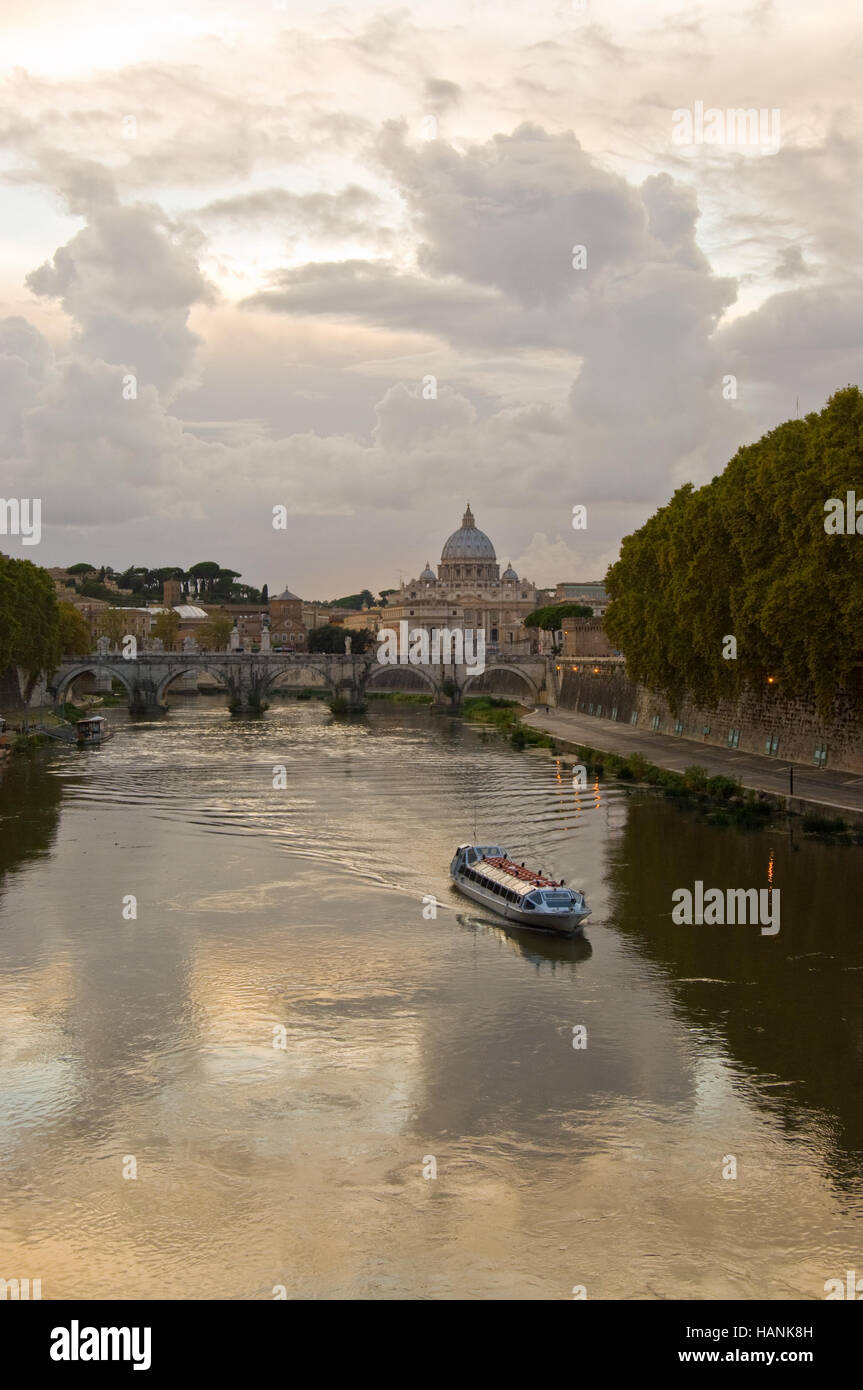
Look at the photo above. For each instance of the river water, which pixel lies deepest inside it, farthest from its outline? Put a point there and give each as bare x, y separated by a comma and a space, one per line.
284, 1048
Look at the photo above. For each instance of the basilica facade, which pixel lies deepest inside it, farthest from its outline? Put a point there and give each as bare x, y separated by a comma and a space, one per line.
469, 592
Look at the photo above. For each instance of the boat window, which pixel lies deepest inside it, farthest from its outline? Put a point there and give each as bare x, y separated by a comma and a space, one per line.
557, 899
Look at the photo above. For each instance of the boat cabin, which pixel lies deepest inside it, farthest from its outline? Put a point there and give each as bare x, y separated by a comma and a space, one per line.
489, 867
92, 729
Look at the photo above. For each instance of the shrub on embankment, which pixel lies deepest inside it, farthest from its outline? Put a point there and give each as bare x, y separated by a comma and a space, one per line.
505, 716
722, 799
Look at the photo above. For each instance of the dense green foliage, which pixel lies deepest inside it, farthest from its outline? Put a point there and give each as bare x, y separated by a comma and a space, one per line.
205, 580
29, 620
74, 631
504, 715
748, 556
551, 616
331, 638
364, 599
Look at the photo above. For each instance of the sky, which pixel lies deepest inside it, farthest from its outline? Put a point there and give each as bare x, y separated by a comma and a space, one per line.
368, 263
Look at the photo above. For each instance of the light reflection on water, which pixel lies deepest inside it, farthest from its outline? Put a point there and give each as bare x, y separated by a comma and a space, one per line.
301, 910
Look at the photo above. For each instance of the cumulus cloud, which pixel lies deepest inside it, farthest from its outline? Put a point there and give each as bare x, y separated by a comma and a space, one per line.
129, 282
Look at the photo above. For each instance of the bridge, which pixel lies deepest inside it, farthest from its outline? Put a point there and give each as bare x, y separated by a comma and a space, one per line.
249, 678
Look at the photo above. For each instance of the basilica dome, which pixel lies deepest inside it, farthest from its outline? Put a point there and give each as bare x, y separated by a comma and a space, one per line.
468, 543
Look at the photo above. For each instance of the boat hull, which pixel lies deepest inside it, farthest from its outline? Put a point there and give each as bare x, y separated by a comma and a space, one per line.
558, 923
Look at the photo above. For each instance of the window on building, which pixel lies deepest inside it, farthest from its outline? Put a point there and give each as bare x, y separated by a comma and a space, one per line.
821, 755
771, 745
733, 738
614, 711
633, 718
599, 709
590, 709
654, 723
678, 727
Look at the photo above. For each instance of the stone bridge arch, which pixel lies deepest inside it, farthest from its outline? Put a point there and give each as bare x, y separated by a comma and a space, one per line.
68, 677
304, 675
164, 683
485, 683
420, 679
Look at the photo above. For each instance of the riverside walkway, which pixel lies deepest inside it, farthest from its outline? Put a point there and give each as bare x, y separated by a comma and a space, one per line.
838, 793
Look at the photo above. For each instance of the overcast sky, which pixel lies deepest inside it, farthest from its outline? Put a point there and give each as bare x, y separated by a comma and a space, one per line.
281, 219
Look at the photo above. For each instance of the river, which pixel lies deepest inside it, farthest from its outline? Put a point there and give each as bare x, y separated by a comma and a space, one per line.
324, 1091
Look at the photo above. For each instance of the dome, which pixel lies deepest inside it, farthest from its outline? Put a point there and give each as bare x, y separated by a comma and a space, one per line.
468, 543
286, 594
509, 573
428, 575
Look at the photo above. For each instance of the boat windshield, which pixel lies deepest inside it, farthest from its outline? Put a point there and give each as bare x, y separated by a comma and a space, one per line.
558, 899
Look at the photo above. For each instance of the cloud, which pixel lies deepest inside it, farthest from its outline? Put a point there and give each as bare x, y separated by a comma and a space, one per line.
128, 281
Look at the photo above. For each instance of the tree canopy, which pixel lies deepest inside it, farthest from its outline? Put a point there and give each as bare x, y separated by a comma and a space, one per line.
29, 620
551, 616
74, 632
364, 599
331, 638
748, 556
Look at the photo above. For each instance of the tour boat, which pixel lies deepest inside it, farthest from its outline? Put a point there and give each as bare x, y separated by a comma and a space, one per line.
95, 729
488, 875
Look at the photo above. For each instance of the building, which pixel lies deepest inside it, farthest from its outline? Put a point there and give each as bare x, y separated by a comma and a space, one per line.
589, 591
192, 619
248, 618
585, 637
469, 592
287, 628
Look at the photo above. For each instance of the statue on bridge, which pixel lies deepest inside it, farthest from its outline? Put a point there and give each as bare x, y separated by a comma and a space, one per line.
348, 641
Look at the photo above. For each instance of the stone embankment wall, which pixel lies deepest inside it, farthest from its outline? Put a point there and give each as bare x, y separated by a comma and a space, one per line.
757, 723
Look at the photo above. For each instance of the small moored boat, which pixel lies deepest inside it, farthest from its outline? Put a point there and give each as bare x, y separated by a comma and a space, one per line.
93, 730
488, 875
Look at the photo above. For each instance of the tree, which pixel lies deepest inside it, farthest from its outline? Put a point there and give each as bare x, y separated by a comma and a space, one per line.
81, 569
215, 634
331, 638
265, 594
384, 595
364, 599
223, 584
29, 621
204, 574
91, 588
551, 617
166, 625
749, 555
74, 631
112, 624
